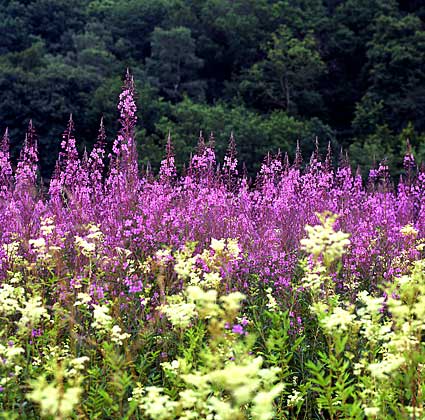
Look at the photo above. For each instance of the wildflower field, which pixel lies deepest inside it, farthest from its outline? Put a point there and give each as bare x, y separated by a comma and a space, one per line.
204, 296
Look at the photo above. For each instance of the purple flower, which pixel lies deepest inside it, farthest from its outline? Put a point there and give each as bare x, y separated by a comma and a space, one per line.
244, 322
238, 329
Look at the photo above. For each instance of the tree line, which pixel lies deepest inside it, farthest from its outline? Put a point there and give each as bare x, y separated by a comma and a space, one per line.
349, 72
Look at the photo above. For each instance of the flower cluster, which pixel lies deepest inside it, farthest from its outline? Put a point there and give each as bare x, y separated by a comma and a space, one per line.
203, 292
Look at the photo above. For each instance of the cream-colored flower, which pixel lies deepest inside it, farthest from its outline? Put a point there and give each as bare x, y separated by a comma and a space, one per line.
218, 245
78, 363
339, 320
373, 304
117, 336
47, 395
188, 398
179, 314
271, 305
173, 366
184, 265
82, 299
102, 320
38, 244
15, 277
52, 399
47, 228
10, 299
232, 301
409, 230
162, 255
137, 393
157, 405
69, 400
381, 369
205, 301
294, 398
87, 248
371, 411
95, 233
211, 280
263, 403
9, 354
233, 247
11, 249
324, 240
32, 313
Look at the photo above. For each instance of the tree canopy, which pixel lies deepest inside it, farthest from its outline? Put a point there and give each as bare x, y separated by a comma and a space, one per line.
271, 71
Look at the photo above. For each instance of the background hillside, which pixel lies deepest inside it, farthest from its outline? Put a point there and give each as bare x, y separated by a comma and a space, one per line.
351, 72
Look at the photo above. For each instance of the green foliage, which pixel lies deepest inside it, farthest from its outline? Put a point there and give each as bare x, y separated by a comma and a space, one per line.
356, 66
368, 116
396, 69
376, 147
204, 351
255, 135
130, 23
370, 365
36, 86
173, 65
290, 70
384, 144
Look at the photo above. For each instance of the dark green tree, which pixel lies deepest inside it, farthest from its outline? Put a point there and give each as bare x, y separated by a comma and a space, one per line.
55, 21
173, 66
130, 22
286, 77
344, 38
15, 34
396, 70
46, 89
289, 66
255, 135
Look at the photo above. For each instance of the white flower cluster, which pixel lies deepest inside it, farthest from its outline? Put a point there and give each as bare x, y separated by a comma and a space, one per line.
83, 299
324, 241
381, 336
9, 353
42, 246
207, 390
171, 367
117, 336
180, 314
248, 383
9, 362
10, 298
53, 399
225, 251
229, 246
90, 242
409, 230
39, 245
76, 366
103, 324
87, 248
12, 252
13, 300
47, 226
271, 305
200, 303
32, 313
156, 405
338, 320
102, 321
294, 398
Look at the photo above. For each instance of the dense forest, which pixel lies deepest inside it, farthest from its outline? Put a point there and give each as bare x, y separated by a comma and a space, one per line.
349, 72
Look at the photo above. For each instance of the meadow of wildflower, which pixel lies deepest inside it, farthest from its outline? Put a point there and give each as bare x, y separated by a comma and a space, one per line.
203, 295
